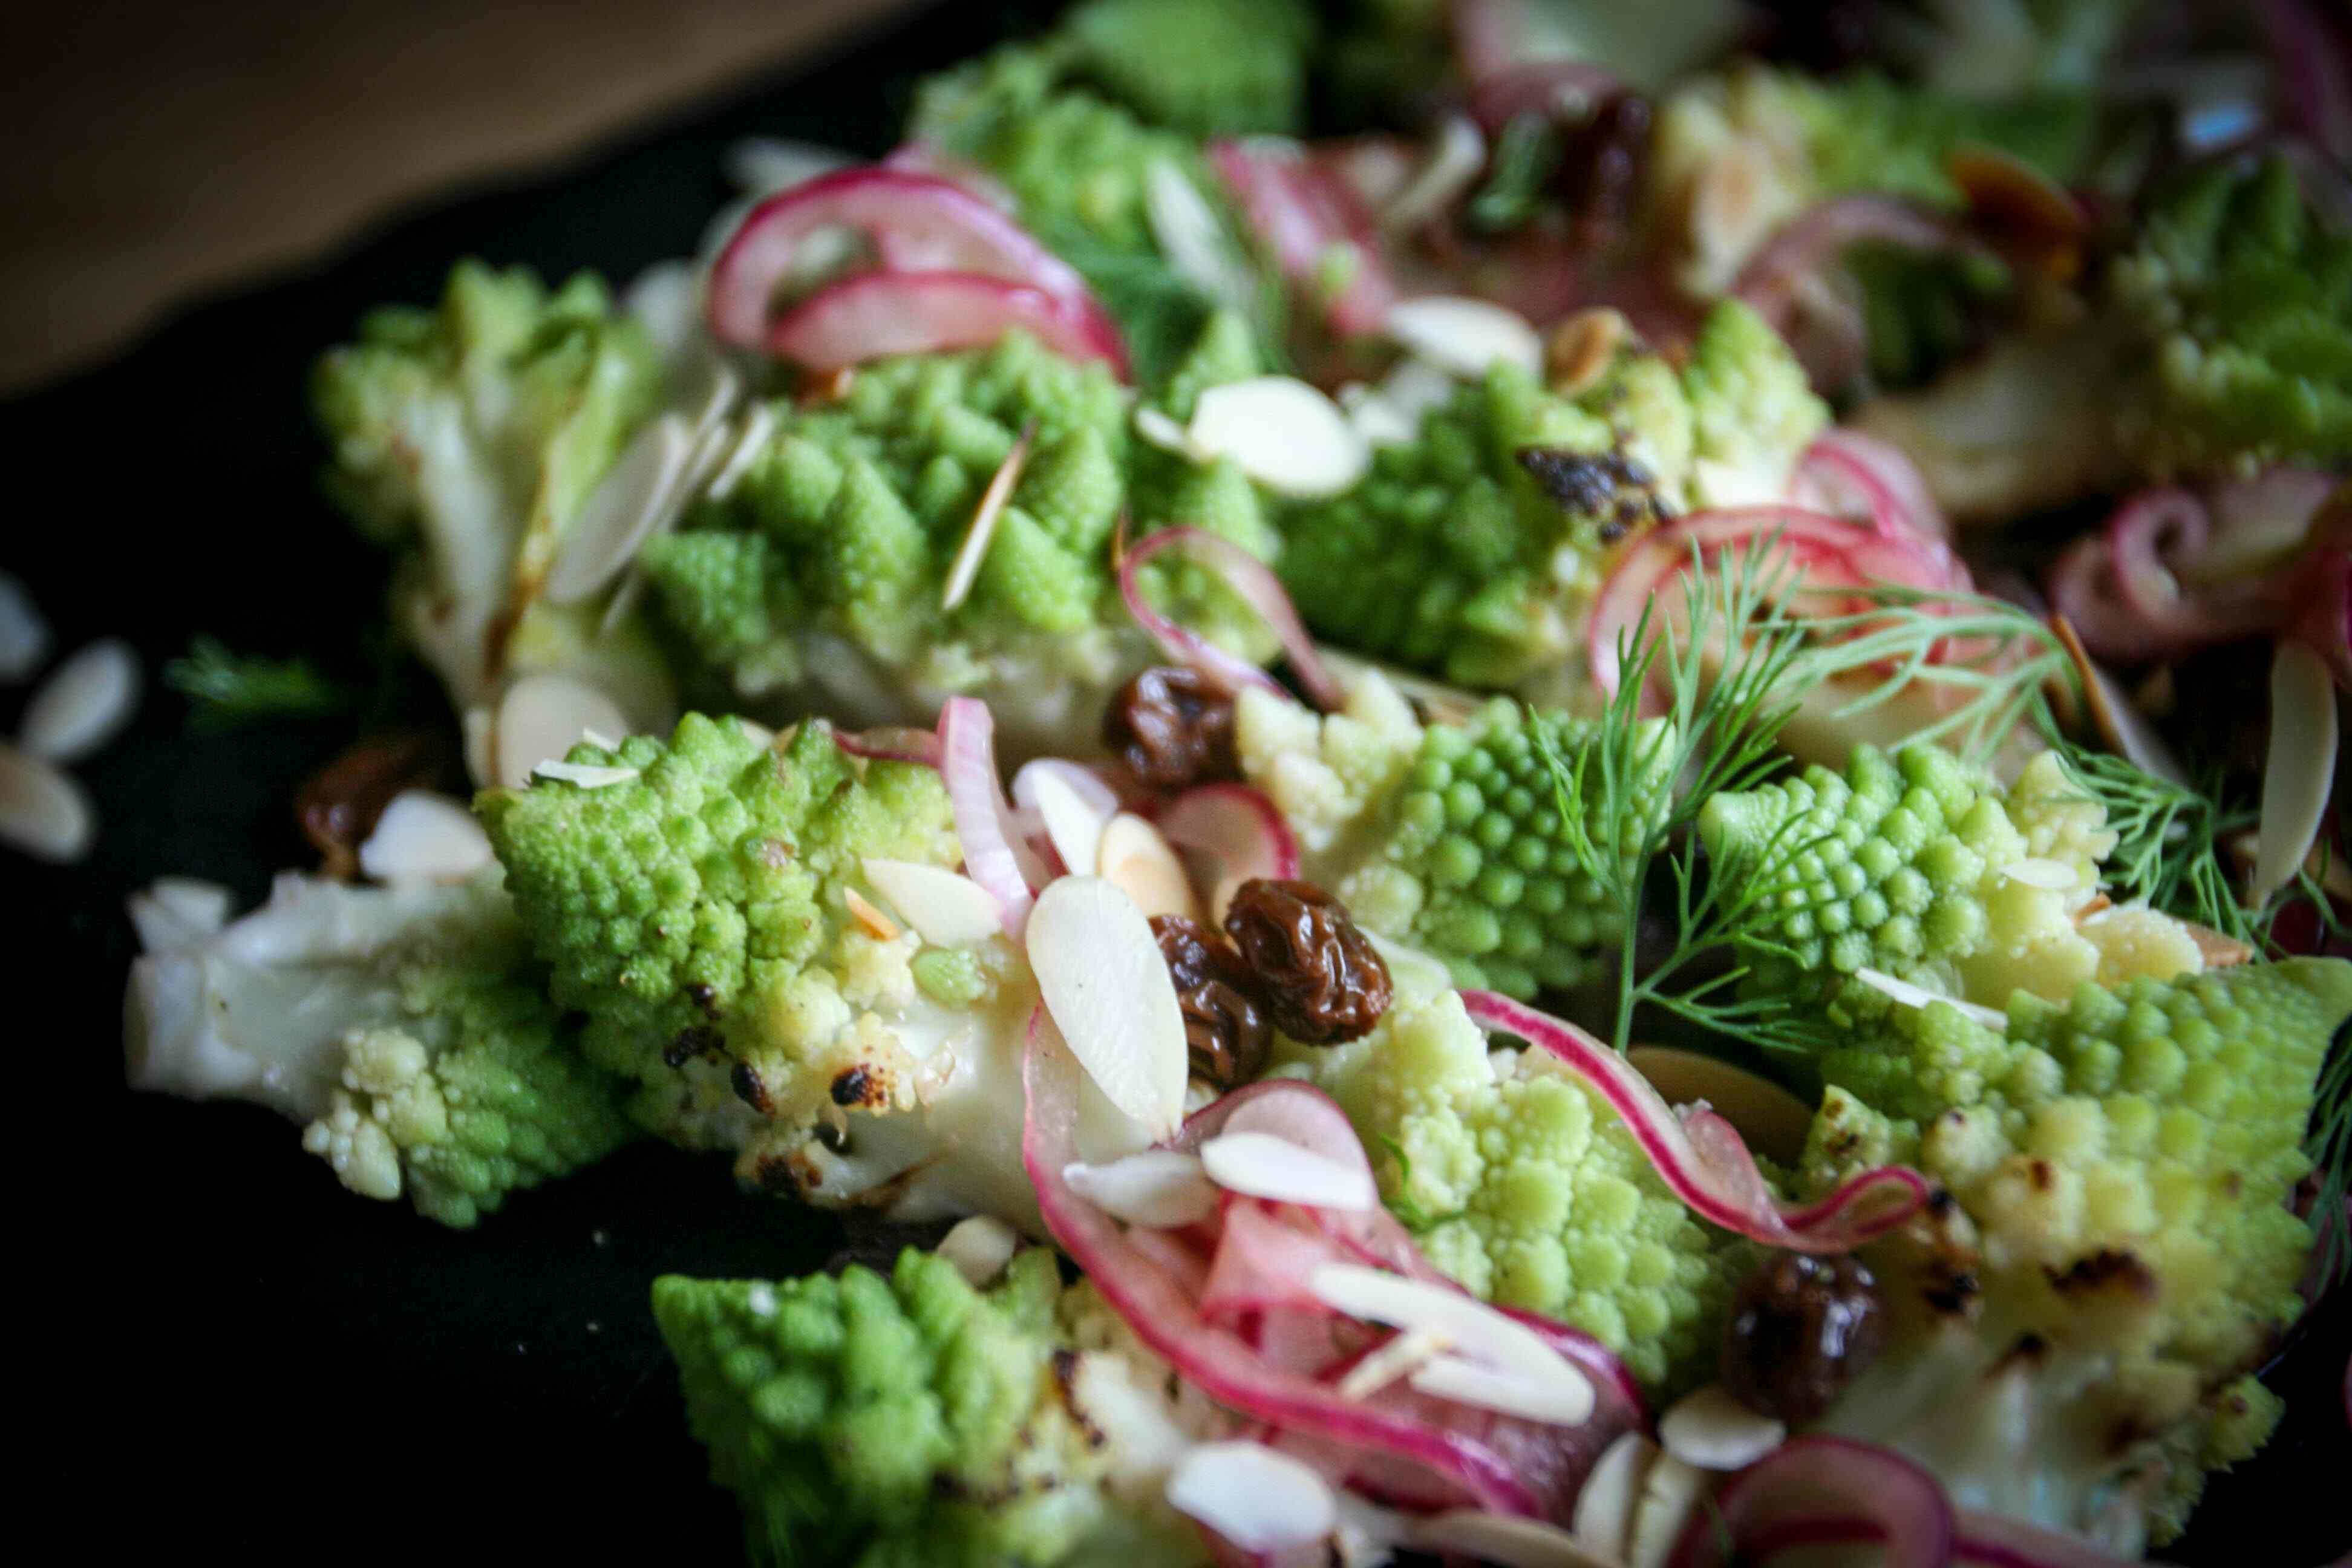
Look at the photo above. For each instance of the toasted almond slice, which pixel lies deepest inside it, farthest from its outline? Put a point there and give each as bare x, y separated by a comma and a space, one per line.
587, 775
2217, 951
1283, 432
1606, 1503
980, 1247
1465, 337
1379, 422
24, 636
1073, 826
1454, 160
1378, 1296
1912, 995
2124, 728
2035, 872
1258, 1500
542, 717
1670, 1491
84, 704
620, 512
1583, 347
1265, 1166
1506, 1539
1769, 1117
2299, 770
1163, 431
1107, 990
43, 810
1710, 1429
1158, 1188
1400, 1355
1190, 235
481, 727
1133, 854
758, 426
946, 907
871, 920
974, 549
424, 838
1559, 1402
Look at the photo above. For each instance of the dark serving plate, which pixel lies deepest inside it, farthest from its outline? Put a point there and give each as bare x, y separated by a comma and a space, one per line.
251, 1356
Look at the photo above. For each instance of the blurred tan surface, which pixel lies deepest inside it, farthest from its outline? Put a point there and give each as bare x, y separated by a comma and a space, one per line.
154, 151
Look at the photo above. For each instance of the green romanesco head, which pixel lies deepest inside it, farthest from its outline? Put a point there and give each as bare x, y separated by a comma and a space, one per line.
1524, 1185
1449, 837
917, 1420
2239, 293
1751, 412
1207, 67
696, 913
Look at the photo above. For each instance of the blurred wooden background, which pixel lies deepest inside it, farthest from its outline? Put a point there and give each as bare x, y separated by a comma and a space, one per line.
157, 150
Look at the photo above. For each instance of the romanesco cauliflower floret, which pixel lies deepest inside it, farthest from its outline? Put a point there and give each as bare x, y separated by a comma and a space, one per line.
698, 914
1916, 866
468, 436
2121, 1250
917, 1420
1473, 550
1447, 837
818, 580
2218, 343
1211, 68
406, 1026
1525, 1186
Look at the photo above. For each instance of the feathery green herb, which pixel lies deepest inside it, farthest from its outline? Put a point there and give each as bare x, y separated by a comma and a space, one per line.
227, 689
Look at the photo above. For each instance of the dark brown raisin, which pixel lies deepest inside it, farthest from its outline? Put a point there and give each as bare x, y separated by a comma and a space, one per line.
1599, 170
1801, 1328
1172, 727
1225, 1024
337, 807
1323, 982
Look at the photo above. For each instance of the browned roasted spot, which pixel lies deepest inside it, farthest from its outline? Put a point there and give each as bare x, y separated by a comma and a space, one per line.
2025, 1355
783, 1174
1323, 981
1618, 493
859, 1085
690, 1043
745, 1081
2104, 1271
703, 994
1065, 1389
337, 807
1172, 727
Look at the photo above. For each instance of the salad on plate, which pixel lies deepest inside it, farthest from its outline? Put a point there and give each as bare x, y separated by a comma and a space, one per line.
1561, 779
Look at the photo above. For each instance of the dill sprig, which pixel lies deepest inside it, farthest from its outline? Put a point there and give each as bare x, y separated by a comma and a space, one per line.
2168, 841
1723, 684
227, 689
2330, 1147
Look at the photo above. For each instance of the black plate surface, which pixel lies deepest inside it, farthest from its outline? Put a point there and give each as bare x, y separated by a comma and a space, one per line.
225, 1349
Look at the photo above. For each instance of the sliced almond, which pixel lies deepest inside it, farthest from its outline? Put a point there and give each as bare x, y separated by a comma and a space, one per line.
542, 717
1671, 1489
83, 704
1265, 1166
871, 920
2217, 951
43, 810
587, 775
1912, 995
2299, 770
1379, 422
752, 440
1505, 1540
946, 907
974, 549
1455, 158
980, 1247
1400, 1355
1606, 1503
1773, 1120
1256, 1499
1558, 1402
1190, 235
1107, 987
1159, 1188
1165, 432
2035, 872
1466, 337
424, 838
1072, 824
24, 636
1583, 347
480, 728
2124, 728
1377, 1296
1713, 1431
620, 512
1133, 854
1283, 432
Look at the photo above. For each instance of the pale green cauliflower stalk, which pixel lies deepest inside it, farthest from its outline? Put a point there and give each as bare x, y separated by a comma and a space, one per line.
1451, 557
1524, 1185
406, 1026
817, 584
918, 1421
2118, 1129
465, 437
698, 913
1447, 837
